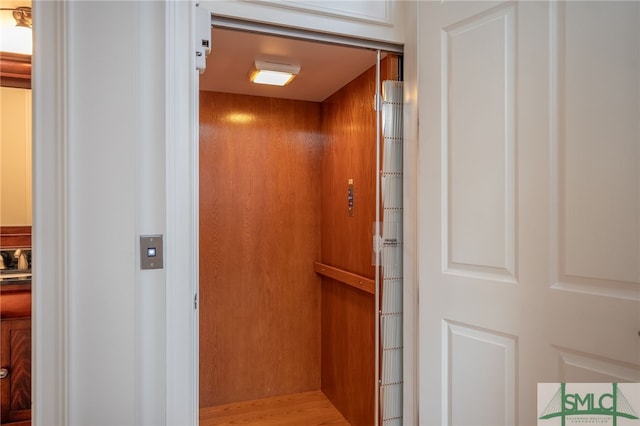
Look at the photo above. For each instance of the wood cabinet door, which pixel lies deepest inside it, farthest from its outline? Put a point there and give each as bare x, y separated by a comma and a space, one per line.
15, 357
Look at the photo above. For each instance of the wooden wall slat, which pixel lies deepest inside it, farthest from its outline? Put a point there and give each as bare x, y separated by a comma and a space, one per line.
260, 164
348, 321
348, 351
348, 314
349, 128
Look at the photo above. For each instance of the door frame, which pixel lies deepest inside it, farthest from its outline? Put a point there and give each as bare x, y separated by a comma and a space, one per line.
50, 340
409, 54
182, 208
50, 233
177, 402
410, 124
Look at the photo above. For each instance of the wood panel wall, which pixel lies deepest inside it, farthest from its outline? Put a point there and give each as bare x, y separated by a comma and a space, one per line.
349, 127
348, 314
273, 199
260, 176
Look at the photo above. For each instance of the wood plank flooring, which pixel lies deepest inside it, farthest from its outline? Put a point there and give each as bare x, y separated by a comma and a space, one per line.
301, 409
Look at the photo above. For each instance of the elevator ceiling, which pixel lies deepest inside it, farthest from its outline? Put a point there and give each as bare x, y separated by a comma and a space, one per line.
324, 68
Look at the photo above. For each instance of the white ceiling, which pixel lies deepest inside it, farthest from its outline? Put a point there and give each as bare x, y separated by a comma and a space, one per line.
324, 68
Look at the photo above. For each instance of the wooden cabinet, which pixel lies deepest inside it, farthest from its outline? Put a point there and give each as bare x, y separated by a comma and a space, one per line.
15, 357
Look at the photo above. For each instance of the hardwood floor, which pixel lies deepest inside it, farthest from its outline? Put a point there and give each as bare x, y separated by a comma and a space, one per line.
300, 409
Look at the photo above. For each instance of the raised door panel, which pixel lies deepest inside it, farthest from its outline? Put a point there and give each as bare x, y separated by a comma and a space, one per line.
595, 148
377, 20
472, 355
478, 179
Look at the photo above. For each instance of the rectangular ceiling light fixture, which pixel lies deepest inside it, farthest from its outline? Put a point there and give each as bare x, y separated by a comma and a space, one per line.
263, 72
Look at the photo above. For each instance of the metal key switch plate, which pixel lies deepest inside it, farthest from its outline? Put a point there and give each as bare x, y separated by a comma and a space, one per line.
151, 253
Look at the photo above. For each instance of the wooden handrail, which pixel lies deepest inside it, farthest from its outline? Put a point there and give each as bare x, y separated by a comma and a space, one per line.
354, 280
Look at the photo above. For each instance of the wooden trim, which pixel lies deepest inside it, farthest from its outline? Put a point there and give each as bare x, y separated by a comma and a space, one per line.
15, 236
182, 227
15, 70
51, 227
362, 283
17, 287
15, 230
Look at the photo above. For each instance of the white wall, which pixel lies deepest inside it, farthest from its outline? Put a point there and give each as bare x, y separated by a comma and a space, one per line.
99, 182
373, 20
115, 157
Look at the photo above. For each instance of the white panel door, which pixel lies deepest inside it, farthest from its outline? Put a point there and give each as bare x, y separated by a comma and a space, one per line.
528, 203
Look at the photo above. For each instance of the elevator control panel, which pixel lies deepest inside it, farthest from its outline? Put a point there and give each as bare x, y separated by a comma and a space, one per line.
151, 253
350, 197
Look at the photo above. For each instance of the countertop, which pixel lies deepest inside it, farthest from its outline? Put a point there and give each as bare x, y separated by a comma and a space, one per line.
14, 277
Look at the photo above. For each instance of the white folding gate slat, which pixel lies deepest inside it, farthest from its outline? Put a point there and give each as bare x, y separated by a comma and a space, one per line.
391, 312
